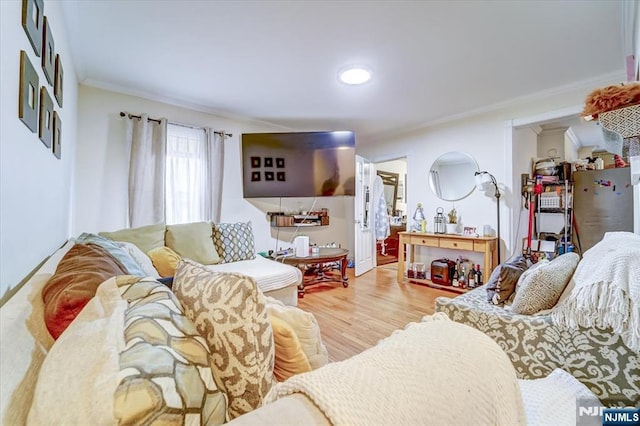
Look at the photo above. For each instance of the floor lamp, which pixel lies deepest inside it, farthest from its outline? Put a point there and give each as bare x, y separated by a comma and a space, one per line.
484, 180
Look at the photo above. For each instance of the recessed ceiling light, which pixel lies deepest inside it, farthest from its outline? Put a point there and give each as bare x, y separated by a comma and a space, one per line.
354, 74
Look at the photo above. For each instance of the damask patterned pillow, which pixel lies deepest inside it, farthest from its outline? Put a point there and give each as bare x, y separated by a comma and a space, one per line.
540, 288
234, 241
229, 311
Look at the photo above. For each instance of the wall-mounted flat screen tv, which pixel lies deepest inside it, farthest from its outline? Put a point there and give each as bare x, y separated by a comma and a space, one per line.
301, 164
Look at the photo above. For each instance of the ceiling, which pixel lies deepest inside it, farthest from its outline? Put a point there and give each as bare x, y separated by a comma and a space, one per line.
277, 61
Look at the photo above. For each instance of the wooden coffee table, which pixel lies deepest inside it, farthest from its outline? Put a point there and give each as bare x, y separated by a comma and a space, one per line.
328, 265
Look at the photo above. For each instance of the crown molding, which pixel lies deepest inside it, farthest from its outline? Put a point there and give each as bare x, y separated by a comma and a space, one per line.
182, 103
573, 138
585, 85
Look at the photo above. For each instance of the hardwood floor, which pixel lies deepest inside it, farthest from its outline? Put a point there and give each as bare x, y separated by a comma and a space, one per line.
355, 318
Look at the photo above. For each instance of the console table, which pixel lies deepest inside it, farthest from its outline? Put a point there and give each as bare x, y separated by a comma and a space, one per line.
486, 245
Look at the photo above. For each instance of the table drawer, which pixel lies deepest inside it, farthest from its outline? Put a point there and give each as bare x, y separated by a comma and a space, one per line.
480, 246
456, 244
424, 241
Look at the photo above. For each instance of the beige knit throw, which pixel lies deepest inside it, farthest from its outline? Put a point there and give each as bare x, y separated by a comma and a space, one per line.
437, 372
607, 289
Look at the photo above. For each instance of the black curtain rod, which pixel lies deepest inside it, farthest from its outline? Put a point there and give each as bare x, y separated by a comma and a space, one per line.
124, 114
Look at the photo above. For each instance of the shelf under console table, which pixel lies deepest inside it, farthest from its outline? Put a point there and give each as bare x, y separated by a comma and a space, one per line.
485, 245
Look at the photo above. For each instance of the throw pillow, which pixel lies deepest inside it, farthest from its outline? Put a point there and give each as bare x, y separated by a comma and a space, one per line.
77, 277
234, 241
502, 282
229, 311
165, 367
164, 260
193, 241
145, 237
130, 357
289, 356
141, 259
114, 249
306, 328
541, 287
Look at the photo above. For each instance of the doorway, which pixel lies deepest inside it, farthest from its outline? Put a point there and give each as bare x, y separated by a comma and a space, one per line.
394, 178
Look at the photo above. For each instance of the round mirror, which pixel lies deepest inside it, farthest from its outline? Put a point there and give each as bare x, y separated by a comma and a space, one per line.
451, 176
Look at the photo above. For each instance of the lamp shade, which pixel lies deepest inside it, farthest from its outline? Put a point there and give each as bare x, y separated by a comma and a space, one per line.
483, 181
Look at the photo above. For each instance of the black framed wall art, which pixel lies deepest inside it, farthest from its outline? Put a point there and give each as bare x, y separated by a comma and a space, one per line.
32, 20
57, 135
280, 176
28, 95
59, 79
268, 176
280, 163
255, 176
46, 117
48, 52
255, 162
268, 161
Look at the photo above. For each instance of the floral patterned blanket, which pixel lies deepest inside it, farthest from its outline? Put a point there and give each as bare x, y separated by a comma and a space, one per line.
596, 357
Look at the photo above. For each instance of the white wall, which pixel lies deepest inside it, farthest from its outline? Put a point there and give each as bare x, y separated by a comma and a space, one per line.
482, 136
551, 144
35, 195
570, 149
101, 184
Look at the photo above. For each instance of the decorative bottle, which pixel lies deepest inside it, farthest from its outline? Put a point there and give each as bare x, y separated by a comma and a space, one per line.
419, 220
455, 276
478, 275
471, 280
462, 281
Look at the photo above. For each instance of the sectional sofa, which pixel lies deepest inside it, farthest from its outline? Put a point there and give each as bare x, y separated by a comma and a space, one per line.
201, 352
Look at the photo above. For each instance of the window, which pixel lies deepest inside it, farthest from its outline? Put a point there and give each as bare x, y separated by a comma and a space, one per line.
186, 175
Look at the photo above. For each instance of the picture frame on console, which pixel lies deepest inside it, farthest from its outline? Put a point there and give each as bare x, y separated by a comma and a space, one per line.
470, 231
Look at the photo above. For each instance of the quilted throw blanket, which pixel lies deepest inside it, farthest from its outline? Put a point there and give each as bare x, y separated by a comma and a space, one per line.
607, 289
434, 372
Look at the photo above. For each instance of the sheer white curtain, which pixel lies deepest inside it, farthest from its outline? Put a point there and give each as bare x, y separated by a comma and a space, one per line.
194, 174
146, 142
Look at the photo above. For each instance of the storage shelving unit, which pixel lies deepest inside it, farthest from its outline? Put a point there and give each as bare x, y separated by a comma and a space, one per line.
557, 200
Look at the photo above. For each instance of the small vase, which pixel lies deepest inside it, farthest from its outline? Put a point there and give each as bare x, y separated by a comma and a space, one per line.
452, 228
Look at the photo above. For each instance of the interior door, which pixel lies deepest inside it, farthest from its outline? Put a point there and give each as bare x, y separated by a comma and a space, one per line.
365, 247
